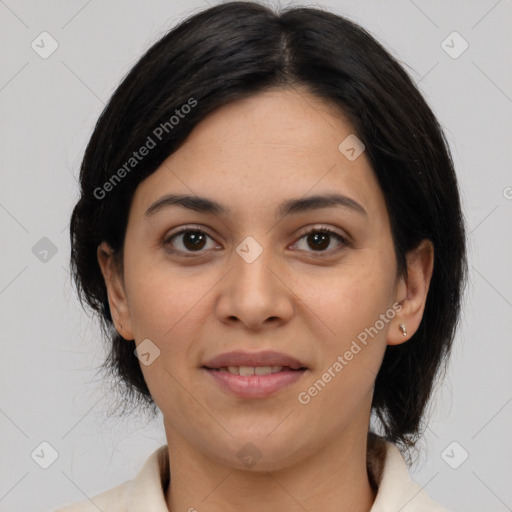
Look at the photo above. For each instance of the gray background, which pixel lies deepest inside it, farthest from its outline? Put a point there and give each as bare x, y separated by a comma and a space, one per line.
50, 347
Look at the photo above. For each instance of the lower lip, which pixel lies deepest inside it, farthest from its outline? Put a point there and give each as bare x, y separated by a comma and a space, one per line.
255, 386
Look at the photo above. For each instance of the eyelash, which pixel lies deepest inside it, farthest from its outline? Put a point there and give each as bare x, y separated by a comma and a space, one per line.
327, 231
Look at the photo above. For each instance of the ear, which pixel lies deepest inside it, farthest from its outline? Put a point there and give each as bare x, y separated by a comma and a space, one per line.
115, 290
411, 292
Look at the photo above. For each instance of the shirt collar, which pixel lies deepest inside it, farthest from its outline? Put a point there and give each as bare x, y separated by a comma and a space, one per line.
147, 489
386, 465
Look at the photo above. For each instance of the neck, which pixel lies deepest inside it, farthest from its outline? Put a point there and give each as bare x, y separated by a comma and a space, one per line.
329, 480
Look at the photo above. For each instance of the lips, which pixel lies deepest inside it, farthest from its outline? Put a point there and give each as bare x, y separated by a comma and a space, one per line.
269, 358
256, 374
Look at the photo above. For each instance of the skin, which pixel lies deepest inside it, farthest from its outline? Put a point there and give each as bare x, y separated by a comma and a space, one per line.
307, 302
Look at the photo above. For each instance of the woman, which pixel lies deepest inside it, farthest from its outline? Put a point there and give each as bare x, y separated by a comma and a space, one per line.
270, 220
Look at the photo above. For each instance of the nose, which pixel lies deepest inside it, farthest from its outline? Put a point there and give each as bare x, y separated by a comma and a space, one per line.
256, 294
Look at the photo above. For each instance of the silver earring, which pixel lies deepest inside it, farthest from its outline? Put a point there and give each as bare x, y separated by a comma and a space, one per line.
402, 329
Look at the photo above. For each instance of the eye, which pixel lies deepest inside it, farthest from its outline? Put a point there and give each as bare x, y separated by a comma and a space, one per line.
194, 240
190, 240
319, 239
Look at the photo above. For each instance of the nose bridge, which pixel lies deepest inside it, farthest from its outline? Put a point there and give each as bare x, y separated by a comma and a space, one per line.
253, 293
252, 275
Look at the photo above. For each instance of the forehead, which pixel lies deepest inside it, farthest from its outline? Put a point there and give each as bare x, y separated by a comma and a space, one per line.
254, 153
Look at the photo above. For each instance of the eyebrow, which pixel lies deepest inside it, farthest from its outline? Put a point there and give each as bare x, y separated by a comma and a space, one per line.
291, 206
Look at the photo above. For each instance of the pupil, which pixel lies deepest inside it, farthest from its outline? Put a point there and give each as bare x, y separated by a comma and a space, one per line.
321, 238
195, 238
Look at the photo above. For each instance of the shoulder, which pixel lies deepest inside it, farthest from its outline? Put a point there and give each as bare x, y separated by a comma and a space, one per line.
396, 490
113, 500
145, 492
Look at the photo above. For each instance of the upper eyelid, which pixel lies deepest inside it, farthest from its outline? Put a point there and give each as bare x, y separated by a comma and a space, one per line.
184, 229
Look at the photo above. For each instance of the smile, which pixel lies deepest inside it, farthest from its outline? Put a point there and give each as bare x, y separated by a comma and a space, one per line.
254, 382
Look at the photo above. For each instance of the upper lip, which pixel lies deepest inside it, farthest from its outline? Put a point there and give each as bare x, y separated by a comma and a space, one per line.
264, 358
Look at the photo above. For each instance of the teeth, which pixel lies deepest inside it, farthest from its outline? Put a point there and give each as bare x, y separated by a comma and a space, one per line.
245, 371
262, 370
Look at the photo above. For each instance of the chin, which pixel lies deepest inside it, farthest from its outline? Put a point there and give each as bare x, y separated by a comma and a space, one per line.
261, 452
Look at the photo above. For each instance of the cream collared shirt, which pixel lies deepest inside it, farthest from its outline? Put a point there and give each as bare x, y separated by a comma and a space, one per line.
146, 492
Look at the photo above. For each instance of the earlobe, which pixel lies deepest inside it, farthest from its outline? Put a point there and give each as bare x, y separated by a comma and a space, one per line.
115, 290
412, 291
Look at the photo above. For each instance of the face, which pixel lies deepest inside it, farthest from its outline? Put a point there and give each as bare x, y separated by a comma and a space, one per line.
254, 276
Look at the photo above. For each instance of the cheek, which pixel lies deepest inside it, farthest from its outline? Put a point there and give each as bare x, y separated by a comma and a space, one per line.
350, 337
351, 298
164, 301
167, 307
159, 293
